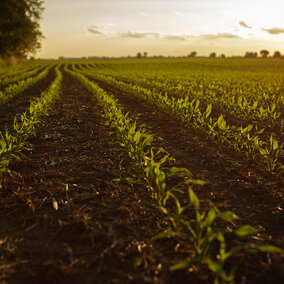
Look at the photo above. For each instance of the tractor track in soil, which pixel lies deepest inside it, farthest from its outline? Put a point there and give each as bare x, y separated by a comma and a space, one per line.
21, 102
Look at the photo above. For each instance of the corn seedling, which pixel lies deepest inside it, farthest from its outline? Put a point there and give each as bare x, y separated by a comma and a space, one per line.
251, 143
14, 89
13, 142
198, 230
189, 112
271, 154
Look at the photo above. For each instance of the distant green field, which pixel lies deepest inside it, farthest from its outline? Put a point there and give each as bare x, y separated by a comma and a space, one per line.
251, 89
237, 101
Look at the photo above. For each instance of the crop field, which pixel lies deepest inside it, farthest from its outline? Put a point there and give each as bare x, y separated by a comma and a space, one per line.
142, 171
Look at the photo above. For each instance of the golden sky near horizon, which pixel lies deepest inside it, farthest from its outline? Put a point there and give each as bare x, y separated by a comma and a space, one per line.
75, 28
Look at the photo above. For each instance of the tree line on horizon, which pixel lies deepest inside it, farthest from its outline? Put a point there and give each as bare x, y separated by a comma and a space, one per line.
264, 53
193, 54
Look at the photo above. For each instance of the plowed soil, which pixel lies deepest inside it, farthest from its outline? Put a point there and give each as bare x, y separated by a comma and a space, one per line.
102, 230
4, 86
21, 102
231, 180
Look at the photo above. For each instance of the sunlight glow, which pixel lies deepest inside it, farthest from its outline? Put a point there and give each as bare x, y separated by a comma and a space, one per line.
121, 27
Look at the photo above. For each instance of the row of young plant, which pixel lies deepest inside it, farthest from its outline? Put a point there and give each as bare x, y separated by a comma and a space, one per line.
243, 139
262, 86
7, 72
149, 168
249, 97
14, 140
14, 89
237, 105
20, 76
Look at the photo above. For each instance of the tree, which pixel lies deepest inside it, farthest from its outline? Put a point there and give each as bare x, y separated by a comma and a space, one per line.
212, 55
19, 27
276, 54
223, 55
139, 55
264, 53
192, 54
145, 54
251, 54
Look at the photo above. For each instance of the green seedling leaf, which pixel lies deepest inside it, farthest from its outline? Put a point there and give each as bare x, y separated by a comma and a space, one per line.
181, 265
138, 261
164, 159
263, 151
211, 216
249, 128
3, 143
163, 235
179, 172
129, 180
255, 105
212, 265
208, 111
245, 230
228, 216
194, 181
273, 107
270, 248
194, 199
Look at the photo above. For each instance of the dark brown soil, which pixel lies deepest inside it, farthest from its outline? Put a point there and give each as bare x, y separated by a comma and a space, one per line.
233, 184
78, 67
101, 232
21, 102
101, 228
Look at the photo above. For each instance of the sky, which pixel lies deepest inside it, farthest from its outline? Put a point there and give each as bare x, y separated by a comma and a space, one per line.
76, 28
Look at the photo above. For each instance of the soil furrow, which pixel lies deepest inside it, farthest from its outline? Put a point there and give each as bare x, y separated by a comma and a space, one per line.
3, 87
233, 184
232, 118
21, 102
100, 229
101, 232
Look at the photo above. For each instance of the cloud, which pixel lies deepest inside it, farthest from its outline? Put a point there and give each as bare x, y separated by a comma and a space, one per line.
138, 34
181, 37
100, 30
131, 34
176, 37
274, 31
243, 24
219, 36
95, 30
